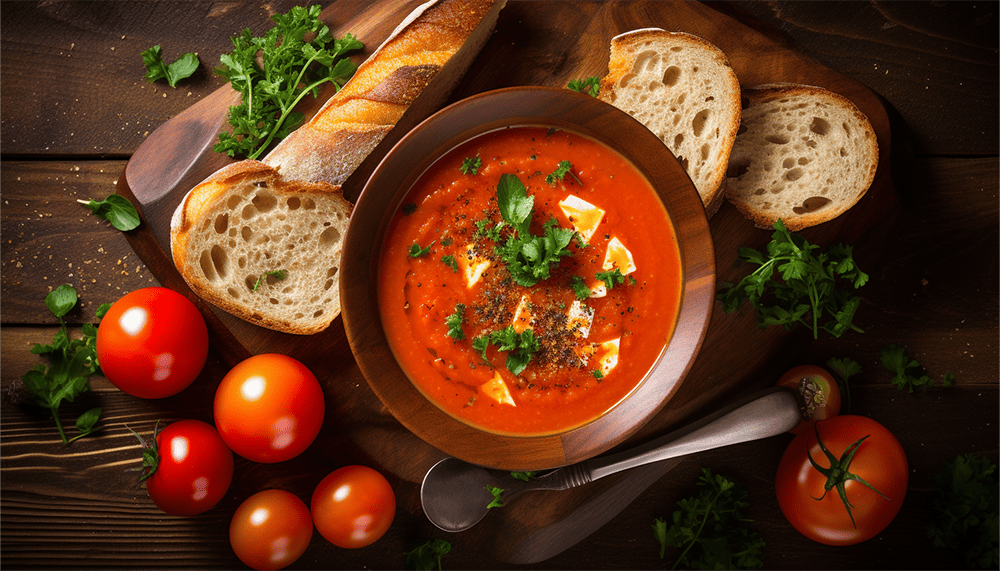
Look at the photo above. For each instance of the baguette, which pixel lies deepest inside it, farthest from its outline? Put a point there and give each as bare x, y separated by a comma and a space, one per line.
287, 212
683, 89
804, 155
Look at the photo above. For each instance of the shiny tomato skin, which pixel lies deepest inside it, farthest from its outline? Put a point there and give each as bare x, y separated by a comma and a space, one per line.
152, 343
822, 388
269, 408
271, 529
880, 461
353, 506
194, 471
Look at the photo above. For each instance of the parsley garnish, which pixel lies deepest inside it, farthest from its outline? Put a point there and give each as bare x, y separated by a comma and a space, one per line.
520, 346
497, 496
116, 209
470, 165
523, 475
484, 230
710, 528
450, 262
72, 361
808, 287
845, 368
591, 85
427, 555
156, 68
561, 172
964, 511
277, 274
454, 323
292, 68
528, 257
895, 360
598, 374
580, 288
417, 252
610, 278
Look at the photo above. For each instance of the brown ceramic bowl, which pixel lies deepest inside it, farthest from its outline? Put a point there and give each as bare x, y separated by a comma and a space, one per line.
384, 193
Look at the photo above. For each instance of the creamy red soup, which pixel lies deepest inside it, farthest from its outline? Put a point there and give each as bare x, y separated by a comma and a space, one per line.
529, 281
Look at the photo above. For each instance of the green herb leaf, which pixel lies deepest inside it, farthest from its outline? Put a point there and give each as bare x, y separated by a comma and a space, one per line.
807, 290
427, 555
710, 529
497, 496
454, 323
514, 203
844, 368
964, 516
597, 374
565, 167
292, 69
525, 476
590, 85
117, 210
485, 229
470, 165
481, 344
276, 274
156, 68
909, 374
85, 423
520, 346
580, 288
450, 261
529, 258
611, 278
61, 299
417, 252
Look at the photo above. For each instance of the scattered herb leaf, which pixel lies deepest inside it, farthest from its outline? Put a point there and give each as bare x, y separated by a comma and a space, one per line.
525, 476
481, 344
844, 368
454, 323
427, 556
598, 374
497, 496
520, 346
417, 252
484, 230
808, 287
590, 85
156, 68
580, 288
277, 274
470, 165
292, 68
611, 278
116, 209
564, 168
964, 511
710, 528
906, 369
450, 261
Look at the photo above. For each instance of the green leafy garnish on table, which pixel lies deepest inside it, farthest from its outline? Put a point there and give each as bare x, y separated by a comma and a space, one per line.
524, 476
964, 511
71, 362
276, 274
907, 370
116, 209
844, 368
590, 85
564, 168
710, 529
497, 501
293, 67
454, 323
807, 290
427, 555
520, 346
156, 68
529, 258
470, 165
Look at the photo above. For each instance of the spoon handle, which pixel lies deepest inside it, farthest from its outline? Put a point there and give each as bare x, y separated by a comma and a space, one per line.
770, 413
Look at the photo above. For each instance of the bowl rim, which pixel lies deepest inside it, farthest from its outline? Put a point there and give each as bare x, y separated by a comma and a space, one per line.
390, 183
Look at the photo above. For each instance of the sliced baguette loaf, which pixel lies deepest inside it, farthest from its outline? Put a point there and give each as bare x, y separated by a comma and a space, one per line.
804, 154
246, 222
683, 89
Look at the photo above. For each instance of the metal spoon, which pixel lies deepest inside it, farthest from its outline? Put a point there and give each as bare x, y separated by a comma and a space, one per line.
454, 494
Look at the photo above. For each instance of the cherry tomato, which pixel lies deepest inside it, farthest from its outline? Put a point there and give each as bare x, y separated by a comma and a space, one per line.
817, 393
270, 529
878, 459
353, 506
269, 408
152, 343
193, 468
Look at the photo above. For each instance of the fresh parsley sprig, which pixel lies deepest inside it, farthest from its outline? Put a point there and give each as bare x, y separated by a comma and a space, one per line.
276, 274
156, 68
116, 209
470, 165
497, 501
590, 85
292, 68
520, 346
528, 258
71, 362
454, 323
909, 374
964, 511
564, 168
808, 287
710, 528
417, 252
427, 555
845, 368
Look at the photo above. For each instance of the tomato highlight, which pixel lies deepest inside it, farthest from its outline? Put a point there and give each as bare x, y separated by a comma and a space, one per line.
270, 530
353, 506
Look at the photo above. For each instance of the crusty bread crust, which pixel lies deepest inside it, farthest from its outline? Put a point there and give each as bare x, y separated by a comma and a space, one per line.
331, 145
804, 155
245, 221
684, 90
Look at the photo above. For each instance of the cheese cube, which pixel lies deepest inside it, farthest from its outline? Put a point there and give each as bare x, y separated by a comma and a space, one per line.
584, 216
497, 390
605, 354
618, 256
579, 318
472, 267
522, 315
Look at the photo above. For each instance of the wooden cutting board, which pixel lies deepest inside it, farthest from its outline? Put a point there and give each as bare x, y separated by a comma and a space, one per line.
534, 43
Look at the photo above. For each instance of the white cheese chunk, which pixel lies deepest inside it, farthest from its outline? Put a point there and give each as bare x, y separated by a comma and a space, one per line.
584, 216
497, 390
522, 315
604, 354
472, 267
579, 318
618, 256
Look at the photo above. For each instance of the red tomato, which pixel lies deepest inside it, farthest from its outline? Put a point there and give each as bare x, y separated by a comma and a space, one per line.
152, 343
269, 408
879, 460
193, 468
818, 394
353, 506
271, 529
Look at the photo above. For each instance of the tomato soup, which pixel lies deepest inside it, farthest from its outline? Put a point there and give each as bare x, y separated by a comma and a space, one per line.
529, 281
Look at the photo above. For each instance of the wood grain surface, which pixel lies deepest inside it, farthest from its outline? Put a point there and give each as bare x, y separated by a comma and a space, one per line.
74, 108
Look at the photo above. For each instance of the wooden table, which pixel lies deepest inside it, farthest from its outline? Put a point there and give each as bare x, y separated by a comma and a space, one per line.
75, 106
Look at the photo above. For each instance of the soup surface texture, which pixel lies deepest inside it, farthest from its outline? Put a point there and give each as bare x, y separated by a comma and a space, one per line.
529, 281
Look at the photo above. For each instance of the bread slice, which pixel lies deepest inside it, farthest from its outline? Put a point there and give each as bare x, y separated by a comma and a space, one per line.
246, 221
683, 89
804, 154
